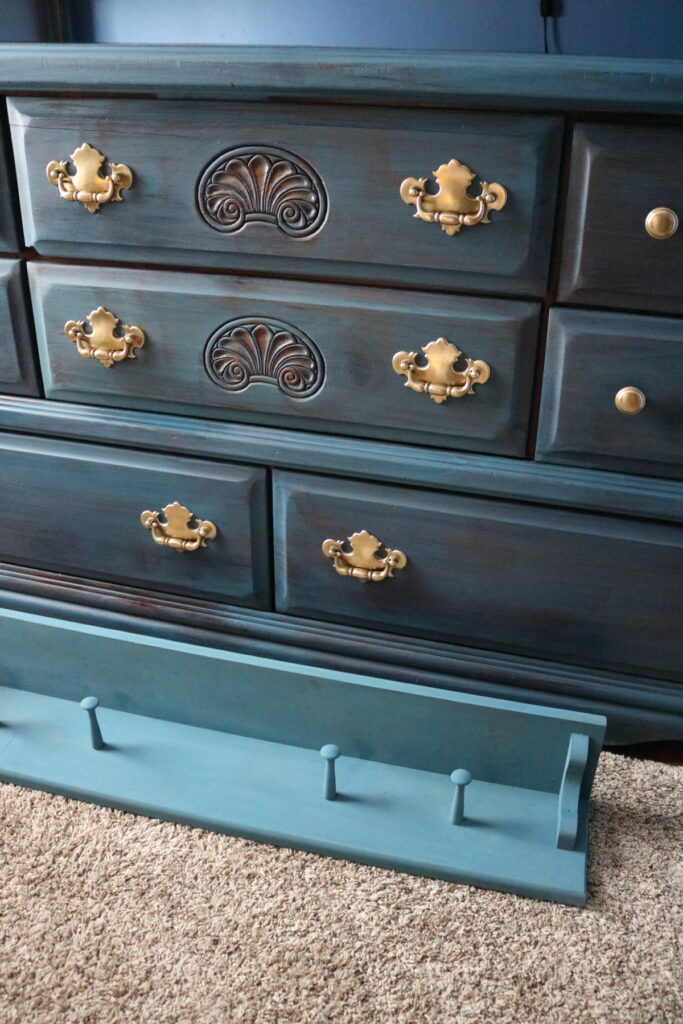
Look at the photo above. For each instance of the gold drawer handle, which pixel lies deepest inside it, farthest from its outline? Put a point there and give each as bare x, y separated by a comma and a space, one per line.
438, 378
361, 561
87, 185
630, 401
101, 342
661, 222
452, 206
176, 531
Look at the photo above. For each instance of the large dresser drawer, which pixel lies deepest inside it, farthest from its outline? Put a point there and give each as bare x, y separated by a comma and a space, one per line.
612, 395
78, 508
572, 586
307, 189
625, 200
315, 356
17, 361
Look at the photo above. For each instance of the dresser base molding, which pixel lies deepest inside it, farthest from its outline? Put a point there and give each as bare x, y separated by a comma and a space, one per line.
240, 753
637, 709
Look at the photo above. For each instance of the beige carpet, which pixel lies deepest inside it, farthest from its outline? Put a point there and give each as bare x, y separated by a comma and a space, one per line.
109, 918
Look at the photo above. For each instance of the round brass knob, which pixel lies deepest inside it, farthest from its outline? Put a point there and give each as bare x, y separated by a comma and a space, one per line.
661, 222
630, 401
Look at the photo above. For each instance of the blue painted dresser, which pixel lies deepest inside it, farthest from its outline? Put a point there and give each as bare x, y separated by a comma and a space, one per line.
364, 361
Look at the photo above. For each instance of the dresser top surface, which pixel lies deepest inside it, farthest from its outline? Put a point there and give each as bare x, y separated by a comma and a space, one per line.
420, 77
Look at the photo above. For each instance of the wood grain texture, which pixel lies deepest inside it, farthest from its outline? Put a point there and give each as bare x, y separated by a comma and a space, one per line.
331, 74
590, 356
356, 330
349, 458
637, 707
618, 174
361, 155
564, 585
76, 508
18, 370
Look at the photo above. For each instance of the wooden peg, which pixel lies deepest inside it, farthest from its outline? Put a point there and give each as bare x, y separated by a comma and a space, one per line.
460, 778
330, 752
89, 704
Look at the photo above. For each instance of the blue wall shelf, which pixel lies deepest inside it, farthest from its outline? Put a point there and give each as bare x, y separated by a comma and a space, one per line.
233, 743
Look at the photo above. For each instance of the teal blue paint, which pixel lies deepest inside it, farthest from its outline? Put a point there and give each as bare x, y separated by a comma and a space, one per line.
616, 493
568, 804
330, 752
243, 754
460, 779
465, 80
90, 704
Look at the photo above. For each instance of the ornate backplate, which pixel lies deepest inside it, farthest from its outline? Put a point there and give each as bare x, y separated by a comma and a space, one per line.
250, 350
262, 184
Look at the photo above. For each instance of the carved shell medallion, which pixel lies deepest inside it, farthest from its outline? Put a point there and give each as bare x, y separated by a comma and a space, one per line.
262, 184
249, 350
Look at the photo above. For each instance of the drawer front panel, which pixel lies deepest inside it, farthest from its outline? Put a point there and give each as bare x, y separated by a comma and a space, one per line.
570, 586
313, 356
619, 175
302, 189
17, 361
76, 508
599, 369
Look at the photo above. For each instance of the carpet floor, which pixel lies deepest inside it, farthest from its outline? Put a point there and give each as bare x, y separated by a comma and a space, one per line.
110, 918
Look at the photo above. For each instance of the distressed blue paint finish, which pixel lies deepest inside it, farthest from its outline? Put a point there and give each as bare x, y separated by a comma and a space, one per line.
361, 154
618, 174
18, 374
300, 705
590, 356
572, 791
351, 459
257, 777
76, 508
455, 80
546, 582
638, 707
356, 330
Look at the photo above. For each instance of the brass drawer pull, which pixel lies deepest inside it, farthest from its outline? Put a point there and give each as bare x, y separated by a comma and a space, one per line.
630, 401
661, 222
176, 531
452, 206
101, 342
86, 185
361, 561
438, 378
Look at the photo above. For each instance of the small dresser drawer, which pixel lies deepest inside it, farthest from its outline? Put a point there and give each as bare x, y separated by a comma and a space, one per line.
623, 243
297, 189
177, 525
17, 362
320, 357
612, 393
490, 574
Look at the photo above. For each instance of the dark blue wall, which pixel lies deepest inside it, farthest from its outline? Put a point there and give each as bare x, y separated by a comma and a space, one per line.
635, 28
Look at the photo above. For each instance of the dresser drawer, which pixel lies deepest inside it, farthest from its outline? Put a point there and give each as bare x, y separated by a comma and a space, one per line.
77, 508
613, 392
310, 189
308, 355
620, 174
17, 362
577, 587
